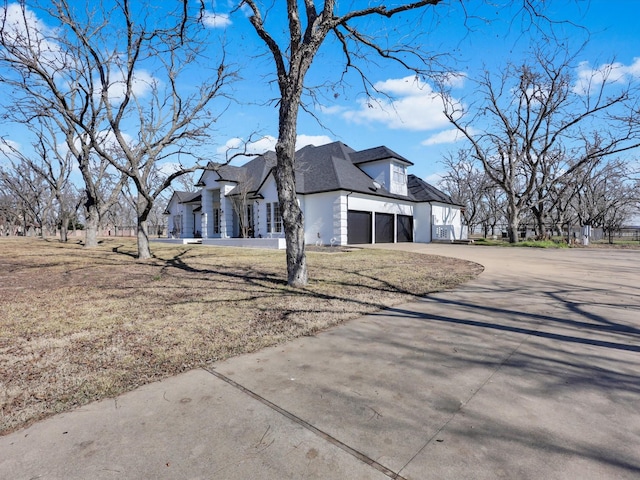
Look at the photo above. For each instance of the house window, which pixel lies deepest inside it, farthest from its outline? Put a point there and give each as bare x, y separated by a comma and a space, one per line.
277, 218
268, 218
216, 220
399, 174
274, 218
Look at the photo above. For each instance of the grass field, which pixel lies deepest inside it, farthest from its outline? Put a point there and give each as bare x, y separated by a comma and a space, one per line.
78, 325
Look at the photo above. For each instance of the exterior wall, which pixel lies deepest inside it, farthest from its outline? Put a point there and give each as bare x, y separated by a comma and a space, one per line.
422, 223
210, 201
214, 196
269, 193
446, 222
382, 172
379, 171
188, 221
177, 221
325, 218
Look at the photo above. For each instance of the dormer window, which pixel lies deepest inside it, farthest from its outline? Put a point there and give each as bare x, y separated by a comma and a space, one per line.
399, 174
398, 179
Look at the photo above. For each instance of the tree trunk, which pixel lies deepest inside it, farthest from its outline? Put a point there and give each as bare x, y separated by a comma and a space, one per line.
143, 208
292, 217
539, 216
513, 219
64, 224
64, 236
91, 232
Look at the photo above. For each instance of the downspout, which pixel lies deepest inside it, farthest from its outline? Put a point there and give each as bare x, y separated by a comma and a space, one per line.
430, 222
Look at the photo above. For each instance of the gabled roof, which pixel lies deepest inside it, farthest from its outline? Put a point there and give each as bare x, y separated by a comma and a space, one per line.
375, 154
425, 192
226, 173
327, 168
184, 197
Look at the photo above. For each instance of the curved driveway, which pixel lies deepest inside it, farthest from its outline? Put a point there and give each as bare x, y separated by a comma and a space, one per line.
530, 371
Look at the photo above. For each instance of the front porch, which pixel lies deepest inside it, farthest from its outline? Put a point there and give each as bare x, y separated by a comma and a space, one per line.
267, 243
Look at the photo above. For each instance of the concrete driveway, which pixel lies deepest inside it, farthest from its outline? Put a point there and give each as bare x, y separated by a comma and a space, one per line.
531, 371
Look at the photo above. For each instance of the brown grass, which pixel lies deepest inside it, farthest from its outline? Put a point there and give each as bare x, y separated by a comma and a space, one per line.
77, 325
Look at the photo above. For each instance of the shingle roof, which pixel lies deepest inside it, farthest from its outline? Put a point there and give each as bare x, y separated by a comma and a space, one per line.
376, 153
425, 192
184, 197
328, 168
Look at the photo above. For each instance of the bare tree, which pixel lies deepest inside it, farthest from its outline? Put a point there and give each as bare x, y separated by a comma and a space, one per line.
353, 28
535, 126
53, 83
468, 186
33, 199
53, 164
170, 120
309, 27
122, 85
9, 212
606, 198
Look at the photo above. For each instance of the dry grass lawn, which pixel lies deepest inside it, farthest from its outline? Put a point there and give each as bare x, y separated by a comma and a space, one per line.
77, 325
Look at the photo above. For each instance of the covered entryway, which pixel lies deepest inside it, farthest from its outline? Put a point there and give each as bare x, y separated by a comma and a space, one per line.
358, 227
405, 228
384, 228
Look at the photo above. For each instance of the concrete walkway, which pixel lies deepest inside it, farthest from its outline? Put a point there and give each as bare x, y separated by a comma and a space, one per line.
531, 371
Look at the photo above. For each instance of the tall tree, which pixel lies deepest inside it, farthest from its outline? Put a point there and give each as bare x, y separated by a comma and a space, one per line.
607, 197
52, 163
52, 83
33, 198
354, 29
146, 93
469, 186
534, 125
308, 28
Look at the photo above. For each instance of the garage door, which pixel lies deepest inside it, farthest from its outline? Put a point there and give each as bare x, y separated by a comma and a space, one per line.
384, 228
358, 227
405, 228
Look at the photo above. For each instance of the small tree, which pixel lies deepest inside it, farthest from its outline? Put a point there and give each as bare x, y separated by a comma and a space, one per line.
241, 202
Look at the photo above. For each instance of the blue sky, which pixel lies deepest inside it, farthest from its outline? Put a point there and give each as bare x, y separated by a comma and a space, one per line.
410, 122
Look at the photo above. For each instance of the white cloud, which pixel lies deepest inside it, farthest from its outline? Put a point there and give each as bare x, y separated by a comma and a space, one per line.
9, 146
142, 84
267, 143
109, 141
215, 20
455, 80
333, 110
167, 168
237, 145
591, 78
435, 178
452, 135
9, 151
413, 105
30, 36
315, 140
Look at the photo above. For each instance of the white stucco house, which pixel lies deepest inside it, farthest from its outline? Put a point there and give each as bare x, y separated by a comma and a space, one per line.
347, 197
